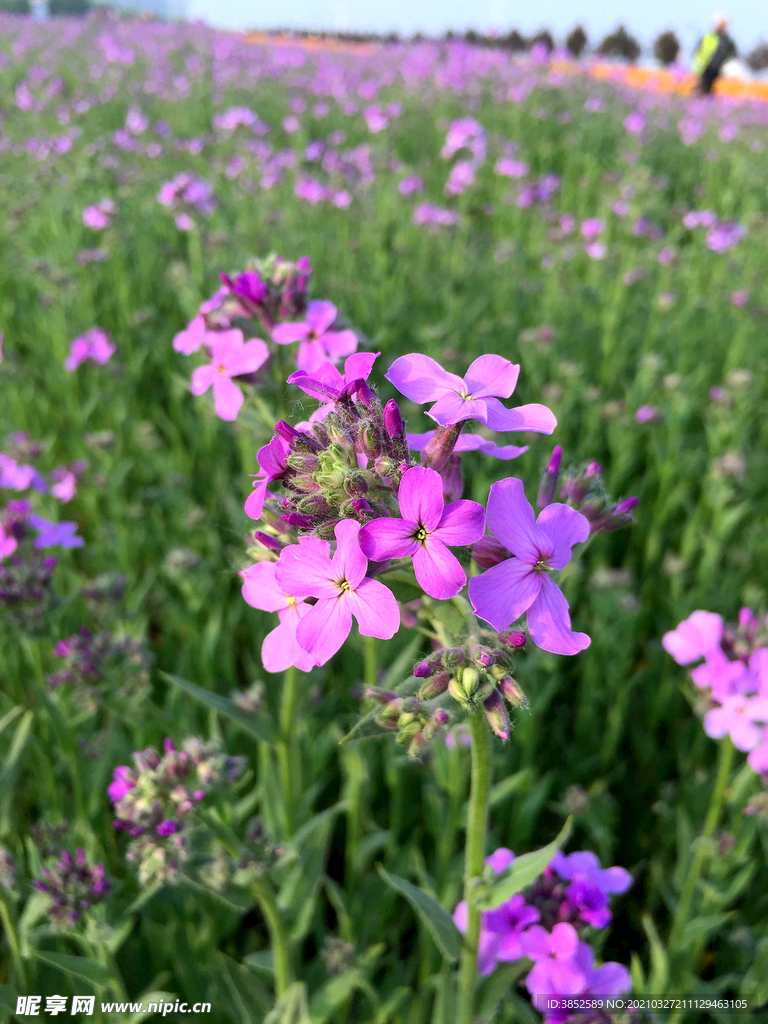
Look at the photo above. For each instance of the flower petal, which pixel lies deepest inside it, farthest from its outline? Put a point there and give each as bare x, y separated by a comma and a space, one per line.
388, 538
339, 343
349, 562
249, 358
202, 378
422, 379
565, 527
281, 649
311, 356
549, 620
286, 334
261, 589
227, 397
491, 375
462, 522
320, 315
375, 608
421, 497
523, 417
304, 569
325, 627
359, 366
695, 637
254, 504
191, 338
438, 570
502, 593
512, 521
452, 408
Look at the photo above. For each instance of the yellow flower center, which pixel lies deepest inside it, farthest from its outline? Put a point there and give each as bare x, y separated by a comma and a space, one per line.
221, 368
421, 535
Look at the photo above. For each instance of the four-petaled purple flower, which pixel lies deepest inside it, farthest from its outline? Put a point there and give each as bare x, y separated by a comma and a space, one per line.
230, 357
280, 649
554, 971
472, 397
318, 343
326, 383
521, 584
427, 526
342, 591
55, 535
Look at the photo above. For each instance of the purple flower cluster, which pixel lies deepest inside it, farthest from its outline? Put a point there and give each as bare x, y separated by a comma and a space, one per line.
90, 661
733, 678
187, 194
73, 887
94, 345
544, 924
154, 800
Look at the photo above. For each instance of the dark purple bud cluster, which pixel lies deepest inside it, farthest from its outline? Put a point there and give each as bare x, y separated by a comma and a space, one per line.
475, 674
73, 887
26, 588
347, 467
414, 725
7, 870
585, 491
270, 290
106, 589
48, 838
93, 661
154, 800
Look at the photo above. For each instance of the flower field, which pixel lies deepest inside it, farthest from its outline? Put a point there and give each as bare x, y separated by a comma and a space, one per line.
383, 546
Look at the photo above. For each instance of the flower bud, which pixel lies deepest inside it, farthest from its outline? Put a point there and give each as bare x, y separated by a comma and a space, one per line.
304, 482
267, 541
434, 686
303, 462
355, 485
314, 505
327, 530
511, 690
482, 655
286, 431
299, 521
513, 637
496, 713
454, 656
380, 695
488, 552
429, 665
440, 448
365, 394
395, 428
549, 480
392, 710
368, 440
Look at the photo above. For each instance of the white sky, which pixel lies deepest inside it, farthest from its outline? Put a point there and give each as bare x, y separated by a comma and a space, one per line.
689, 18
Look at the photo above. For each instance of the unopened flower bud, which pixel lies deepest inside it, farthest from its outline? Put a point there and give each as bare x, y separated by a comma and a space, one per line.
303, 462
454, 656
434, 686
440, 448
327, 530
304, 482
391, 710
511, 690
549, 480
395, 428
361, 507
380, 695
429, 665
482, 655
368, 440
286, 431
513, 637
488, 552
299, 521
496, 713
314, 505
267, 541
365, 393
355, 485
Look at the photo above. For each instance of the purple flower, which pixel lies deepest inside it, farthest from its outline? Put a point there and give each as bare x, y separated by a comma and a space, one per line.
8, 543
191, 338
342, 591
696, 637
555, 971
737, 716
326, 383
427, 527
647, 414
520, 584
122, 783
409, 185
94, 344
55, 535
591, 886
272, 466
280, 649
509, 168
592, 228
739, 298
723, 237
318, 343
230, 357
456, 399
634, 122
461, 177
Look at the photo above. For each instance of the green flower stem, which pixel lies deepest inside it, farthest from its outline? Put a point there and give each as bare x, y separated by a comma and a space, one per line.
287, 753
13, 941
474, 860
263, 893
713, 815
355, 769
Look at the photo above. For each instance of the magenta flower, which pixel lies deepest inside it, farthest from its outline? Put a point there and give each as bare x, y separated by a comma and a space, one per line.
427, 527
230, 357
469, 443
554, 971
280, 649
592, 227
737, 716
520, 584
123, 781
272, 466
8, 543
55, 535
342, 590
694, 638
318, 343
647, 414
94, 344
191, 338
472, 397
97, 218
65, 484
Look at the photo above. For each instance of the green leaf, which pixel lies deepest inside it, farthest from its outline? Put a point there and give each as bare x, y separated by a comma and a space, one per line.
80, 967
657, 982
755, 983
513, 784
263, 961
249, 998
333, 995
10, 768
494, 989
291, 1008
437, 919
700, 928
260, 725
520, 873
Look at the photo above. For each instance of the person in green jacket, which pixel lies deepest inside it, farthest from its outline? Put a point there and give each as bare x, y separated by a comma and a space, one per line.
713, 51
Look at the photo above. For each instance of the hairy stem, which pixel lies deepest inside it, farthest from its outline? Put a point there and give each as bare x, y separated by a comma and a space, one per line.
263, 893
474, 859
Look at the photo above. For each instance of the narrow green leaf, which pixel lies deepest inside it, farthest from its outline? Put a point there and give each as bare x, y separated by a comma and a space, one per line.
437, 919
657, 982
701, 927
333, 995
259, 725
263, 961
6, 720
292, 1008
80, 967
513, 784
10, 768
520, 873
248, 995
